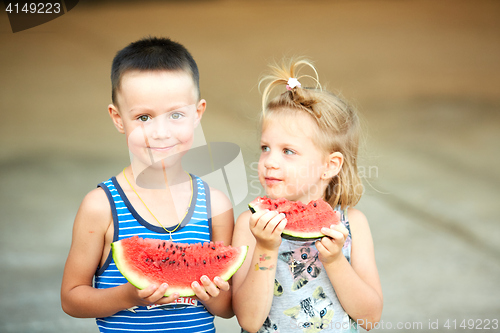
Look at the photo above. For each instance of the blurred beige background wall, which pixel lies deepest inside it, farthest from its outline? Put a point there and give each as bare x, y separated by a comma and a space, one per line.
425, 76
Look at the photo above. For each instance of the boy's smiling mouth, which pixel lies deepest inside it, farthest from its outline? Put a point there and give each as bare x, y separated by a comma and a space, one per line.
161, 149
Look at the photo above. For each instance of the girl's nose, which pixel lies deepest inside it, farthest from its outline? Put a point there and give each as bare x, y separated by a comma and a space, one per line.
270, 162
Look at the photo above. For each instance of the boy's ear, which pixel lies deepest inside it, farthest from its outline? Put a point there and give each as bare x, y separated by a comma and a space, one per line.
200, 109
116, 117
334, 164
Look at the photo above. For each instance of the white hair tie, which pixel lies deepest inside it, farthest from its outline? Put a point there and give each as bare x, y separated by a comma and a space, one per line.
292, 83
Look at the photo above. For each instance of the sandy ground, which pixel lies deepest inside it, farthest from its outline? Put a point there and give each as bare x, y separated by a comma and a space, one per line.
425, 76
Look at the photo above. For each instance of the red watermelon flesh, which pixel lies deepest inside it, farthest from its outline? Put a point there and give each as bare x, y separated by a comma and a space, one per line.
303, 221
145, 261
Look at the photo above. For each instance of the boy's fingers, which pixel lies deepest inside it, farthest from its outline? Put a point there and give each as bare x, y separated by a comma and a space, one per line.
209, 286
147, 292
200, 291
223, 285
158, 293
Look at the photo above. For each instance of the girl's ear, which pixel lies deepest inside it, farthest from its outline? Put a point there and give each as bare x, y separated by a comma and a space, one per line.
116, 117
334, 164
200, 109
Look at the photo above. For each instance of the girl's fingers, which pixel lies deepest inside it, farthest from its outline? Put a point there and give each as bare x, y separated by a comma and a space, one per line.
265, 219
337, 235
341, 228
254, 219
280, 226
271, 225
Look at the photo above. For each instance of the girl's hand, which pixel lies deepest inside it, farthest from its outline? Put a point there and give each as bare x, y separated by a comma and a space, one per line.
267, 226
150, 295
330, 247
209, 289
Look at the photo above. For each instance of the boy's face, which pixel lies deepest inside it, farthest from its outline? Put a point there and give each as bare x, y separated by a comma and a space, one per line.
158, 112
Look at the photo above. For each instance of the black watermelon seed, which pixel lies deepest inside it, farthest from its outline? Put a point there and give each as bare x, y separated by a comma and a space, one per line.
218, 257
171, 245
177, 247
225, 257
187, 264
166, 258
213, 247
183, 254
275, 206
159, 245
204, 262
146, 260
173, 261
166, 250
163, 244
315, 204
163, 260
173, 252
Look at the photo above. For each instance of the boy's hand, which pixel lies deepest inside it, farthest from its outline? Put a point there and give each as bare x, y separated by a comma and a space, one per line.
150, 295
330, 247
209, 289
267, 226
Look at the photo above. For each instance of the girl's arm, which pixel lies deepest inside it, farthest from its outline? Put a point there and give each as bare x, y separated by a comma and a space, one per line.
216, 295
253, 283
357, 284
78, 297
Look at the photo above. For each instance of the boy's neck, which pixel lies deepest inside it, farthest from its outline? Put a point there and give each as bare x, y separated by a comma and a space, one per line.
157, 176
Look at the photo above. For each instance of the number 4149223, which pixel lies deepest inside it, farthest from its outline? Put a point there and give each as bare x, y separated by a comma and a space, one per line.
34, 8
478, 324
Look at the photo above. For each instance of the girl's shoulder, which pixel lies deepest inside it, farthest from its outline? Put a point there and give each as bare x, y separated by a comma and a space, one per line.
358, 223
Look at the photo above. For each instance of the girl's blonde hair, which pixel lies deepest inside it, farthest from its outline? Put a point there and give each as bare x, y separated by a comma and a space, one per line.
338, 124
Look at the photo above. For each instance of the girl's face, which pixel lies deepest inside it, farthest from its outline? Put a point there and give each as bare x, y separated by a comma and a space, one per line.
290, 164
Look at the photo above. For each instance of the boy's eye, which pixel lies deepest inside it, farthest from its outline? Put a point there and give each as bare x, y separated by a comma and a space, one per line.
176, 115
143, 118
288, 151
265, 148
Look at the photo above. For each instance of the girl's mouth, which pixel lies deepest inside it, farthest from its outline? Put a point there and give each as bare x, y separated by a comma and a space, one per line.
271, 181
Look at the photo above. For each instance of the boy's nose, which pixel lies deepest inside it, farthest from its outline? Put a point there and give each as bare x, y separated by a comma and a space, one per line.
160, 128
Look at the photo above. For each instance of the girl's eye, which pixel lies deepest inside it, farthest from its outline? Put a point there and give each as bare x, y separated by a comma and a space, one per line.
176, 115
288, 151
143, 118
265, 148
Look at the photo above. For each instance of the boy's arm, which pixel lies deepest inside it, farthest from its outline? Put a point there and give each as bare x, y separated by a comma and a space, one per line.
253, 283
357, 285
78, 297
216, 295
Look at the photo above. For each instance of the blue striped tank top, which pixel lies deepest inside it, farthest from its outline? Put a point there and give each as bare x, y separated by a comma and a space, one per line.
186, 314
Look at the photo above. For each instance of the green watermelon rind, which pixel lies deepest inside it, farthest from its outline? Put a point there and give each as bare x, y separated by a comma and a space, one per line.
141, 282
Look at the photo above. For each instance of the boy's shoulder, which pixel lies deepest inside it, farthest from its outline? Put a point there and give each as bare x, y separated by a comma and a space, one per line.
219, 201
95, 207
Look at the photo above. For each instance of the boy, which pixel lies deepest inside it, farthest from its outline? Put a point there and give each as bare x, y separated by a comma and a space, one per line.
157, 105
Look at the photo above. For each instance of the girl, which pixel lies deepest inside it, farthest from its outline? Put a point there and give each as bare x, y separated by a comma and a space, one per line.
309, 149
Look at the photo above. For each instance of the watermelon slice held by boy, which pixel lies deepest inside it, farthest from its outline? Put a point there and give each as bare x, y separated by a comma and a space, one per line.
145, 261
